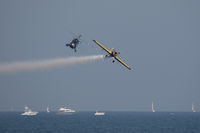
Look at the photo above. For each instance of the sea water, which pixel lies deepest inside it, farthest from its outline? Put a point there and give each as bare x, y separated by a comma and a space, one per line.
112, 122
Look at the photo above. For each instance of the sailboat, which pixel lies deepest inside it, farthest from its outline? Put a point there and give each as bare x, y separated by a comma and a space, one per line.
193, 110
48, 110
152, 107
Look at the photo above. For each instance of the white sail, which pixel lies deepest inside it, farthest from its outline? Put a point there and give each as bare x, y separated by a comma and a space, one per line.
193, 110
152, 107
48, 110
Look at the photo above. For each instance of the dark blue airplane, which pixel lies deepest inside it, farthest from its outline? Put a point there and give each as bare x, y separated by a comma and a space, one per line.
73, 44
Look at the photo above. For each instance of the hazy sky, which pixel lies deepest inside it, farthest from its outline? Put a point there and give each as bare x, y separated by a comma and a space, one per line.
160, 38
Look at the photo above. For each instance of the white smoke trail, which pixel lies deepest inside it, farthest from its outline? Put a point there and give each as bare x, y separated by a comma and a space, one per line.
11, 68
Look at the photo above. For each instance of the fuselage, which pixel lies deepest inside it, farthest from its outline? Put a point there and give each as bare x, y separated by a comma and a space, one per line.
113, 53
73, 44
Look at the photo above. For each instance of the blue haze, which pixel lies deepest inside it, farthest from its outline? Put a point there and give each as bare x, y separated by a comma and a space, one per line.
159, 38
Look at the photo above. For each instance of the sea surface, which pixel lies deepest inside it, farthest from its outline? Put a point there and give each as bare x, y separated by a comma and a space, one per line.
112, 122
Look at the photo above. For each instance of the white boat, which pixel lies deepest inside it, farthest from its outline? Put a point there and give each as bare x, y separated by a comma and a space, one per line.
28, 112
152, 107
48, 110
64, 110
193, 109
99, 113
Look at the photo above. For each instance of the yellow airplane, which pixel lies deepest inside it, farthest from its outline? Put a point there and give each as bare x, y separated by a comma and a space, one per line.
112, 53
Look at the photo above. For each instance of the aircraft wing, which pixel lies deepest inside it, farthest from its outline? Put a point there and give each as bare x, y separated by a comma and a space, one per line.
103, 47
122, 63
